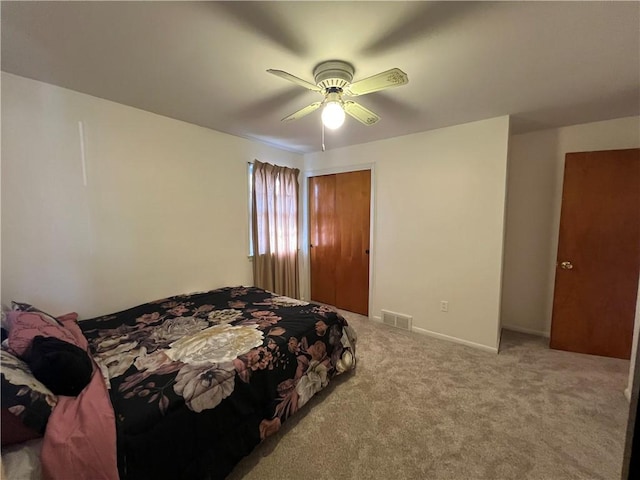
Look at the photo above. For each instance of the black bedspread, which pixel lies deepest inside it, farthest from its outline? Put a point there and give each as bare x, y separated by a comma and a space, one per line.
197, 381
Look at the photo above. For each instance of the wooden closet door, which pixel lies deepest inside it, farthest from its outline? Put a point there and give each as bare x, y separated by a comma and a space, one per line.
353, 207
339, 212
323, 248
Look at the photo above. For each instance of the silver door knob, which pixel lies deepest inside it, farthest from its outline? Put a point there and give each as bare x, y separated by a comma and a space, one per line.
566, 265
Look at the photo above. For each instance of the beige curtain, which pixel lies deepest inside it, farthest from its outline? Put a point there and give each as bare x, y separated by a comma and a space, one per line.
275, 228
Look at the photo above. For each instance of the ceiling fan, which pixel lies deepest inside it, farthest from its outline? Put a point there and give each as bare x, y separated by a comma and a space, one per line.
333, 81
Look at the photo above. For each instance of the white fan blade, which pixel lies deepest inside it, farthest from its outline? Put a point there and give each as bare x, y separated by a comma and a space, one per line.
302, 112
360, 113
391, 78
294, 79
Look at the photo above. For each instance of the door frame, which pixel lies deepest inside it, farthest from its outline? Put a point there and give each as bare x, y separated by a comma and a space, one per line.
304, 234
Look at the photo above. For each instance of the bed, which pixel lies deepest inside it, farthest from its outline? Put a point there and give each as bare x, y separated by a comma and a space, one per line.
197, 381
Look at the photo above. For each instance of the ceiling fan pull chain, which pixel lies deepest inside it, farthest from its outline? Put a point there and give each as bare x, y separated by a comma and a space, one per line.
322, 123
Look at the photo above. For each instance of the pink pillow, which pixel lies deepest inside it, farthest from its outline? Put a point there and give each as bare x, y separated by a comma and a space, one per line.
27, 325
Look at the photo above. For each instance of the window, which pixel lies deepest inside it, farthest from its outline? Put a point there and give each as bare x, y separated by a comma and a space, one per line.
275, 203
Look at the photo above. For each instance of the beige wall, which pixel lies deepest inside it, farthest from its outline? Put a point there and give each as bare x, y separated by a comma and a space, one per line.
438, 226
164, 210
536, 167
157, 186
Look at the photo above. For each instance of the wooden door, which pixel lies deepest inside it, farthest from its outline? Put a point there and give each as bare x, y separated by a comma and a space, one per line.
323, 241
598, 254
353, 210
339, 212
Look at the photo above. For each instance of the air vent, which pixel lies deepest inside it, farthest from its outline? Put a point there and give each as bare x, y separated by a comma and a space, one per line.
398, 320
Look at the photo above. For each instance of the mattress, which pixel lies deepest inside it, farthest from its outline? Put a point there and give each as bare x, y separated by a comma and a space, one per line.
197, 381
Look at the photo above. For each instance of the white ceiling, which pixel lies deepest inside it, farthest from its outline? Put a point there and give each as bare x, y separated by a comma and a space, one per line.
546, 63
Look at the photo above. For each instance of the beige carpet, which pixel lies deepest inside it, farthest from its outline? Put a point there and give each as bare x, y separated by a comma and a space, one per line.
421, 408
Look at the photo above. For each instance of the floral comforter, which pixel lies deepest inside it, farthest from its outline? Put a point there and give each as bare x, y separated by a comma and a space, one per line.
196, 381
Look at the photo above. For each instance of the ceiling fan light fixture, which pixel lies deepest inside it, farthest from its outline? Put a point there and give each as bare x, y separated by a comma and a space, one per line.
333, 111
333, 115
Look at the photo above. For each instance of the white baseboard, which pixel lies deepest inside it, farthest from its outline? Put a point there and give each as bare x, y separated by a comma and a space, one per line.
627, 394
530, 331
448, 338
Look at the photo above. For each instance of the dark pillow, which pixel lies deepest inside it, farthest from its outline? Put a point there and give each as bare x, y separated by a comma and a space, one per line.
23, 396
62, 367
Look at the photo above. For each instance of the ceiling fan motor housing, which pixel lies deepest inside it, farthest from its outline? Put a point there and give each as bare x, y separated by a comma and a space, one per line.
333, 74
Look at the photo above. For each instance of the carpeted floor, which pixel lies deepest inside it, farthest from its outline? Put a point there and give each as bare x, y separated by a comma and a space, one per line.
422, 408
